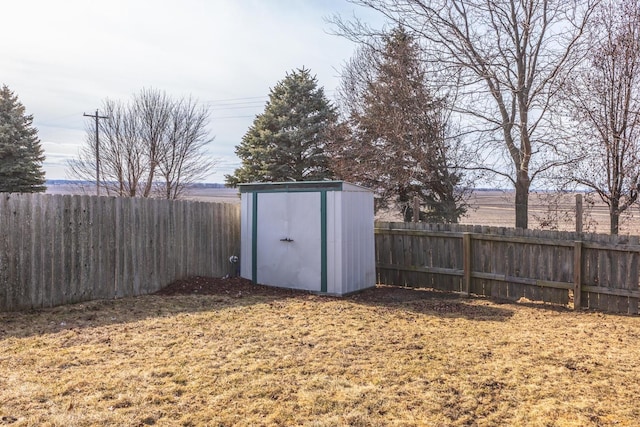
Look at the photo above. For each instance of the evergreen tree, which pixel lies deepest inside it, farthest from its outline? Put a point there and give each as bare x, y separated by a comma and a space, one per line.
287, 141
21, 154
396, 139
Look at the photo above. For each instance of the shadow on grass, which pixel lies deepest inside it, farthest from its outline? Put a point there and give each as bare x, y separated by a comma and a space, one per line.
430, 301
206, 294
100, 313
492, 302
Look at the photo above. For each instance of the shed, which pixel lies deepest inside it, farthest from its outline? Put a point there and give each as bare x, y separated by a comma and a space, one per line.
311, 235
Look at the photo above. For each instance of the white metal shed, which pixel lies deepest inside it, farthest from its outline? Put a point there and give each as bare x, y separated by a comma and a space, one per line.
311, 235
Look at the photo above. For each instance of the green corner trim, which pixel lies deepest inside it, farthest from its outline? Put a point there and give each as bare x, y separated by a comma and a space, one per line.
323, 241
254, 238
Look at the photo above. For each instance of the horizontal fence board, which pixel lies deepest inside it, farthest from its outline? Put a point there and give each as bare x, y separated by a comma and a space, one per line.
521, 280
431, 270
611, 291
59, 249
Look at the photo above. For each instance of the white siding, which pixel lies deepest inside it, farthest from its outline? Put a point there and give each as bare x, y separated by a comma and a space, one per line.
358, 258
334, 242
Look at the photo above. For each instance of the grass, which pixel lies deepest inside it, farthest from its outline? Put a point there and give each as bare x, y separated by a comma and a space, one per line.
388, 356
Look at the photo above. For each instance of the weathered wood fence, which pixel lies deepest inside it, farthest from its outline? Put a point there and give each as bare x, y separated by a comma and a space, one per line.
64, 249
581, 270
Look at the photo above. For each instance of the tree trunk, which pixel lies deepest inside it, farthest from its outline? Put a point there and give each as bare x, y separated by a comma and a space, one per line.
614, 217
149, 185
522, 200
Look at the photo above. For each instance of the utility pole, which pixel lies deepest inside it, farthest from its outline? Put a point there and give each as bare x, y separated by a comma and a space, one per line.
97, 117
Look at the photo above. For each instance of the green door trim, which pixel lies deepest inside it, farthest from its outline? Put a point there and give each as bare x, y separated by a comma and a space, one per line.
323, 241
254, 238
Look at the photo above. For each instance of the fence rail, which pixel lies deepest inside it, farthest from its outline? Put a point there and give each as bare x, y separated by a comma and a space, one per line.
583, 270
57, 249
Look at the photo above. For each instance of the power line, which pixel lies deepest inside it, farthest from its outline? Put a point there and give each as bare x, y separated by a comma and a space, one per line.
232, 117
216, 108
97, 118
236, 104
235, 99
244, 100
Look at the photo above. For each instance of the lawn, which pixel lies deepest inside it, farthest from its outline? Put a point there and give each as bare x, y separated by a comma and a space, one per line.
216, 353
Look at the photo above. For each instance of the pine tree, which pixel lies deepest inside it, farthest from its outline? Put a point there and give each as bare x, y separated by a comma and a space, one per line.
287, 141
21, 154
396, 142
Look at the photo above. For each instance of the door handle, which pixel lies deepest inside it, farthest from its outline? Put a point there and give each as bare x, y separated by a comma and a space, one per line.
286, 239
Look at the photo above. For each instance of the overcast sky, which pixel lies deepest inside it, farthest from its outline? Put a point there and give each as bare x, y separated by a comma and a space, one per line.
63, 58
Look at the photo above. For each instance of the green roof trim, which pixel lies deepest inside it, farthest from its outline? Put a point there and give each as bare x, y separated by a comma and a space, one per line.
290, 186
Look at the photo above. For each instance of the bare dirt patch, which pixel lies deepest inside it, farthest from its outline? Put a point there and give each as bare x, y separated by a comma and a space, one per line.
226, 352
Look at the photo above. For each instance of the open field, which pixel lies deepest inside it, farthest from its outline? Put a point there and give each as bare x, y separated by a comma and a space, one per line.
487, 207
496, 208
224, 352
204, 194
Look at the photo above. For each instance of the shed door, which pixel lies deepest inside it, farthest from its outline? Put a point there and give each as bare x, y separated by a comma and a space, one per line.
289, 240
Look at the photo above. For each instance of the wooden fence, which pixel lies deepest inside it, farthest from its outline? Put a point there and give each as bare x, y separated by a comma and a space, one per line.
580, 270
64, 249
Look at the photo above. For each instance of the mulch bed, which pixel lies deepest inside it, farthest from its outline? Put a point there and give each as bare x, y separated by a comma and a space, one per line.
240, 287
236, 286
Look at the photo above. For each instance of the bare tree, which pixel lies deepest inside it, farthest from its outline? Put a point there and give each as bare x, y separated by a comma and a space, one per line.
152, 145
123, 163
508, 58
181, 158
603, 99
152, 114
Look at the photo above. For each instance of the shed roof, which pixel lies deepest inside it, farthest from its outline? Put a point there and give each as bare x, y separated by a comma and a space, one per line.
295, 186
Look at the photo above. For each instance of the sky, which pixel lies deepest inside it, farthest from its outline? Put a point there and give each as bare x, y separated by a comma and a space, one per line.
63, 58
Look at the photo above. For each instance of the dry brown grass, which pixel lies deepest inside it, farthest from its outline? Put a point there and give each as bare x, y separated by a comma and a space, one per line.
388, 356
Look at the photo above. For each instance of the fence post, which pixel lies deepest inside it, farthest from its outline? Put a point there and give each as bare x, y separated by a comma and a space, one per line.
577, 274
466, 264
416, 209
578, 213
